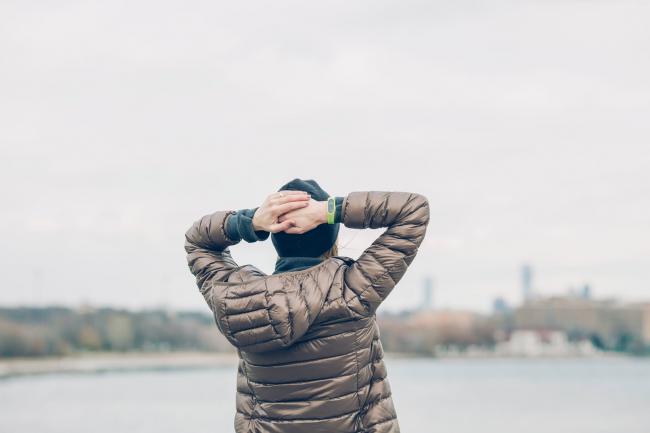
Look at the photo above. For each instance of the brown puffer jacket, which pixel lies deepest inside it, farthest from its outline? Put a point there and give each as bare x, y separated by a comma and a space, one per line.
310, 358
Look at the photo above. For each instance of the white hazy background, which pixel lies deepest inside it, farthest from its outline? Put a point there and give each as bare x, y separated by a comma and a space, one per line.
525, 123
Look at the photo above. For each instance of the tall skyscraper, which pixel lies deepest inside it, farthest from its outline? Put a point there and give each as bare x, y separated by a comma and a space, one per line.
427, 294
526, 282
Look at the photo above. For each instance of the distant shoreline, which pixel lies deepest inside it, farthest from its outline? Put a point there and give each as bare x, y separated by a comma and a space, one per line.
96, 363
114, 362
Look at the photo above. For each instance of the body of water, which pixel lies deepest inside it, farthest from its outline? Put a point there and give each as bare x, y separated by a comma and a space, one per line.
450, 396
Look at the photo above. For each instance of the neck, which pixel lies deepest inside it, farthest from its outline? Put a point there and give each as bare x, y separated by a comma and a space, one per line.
285, 264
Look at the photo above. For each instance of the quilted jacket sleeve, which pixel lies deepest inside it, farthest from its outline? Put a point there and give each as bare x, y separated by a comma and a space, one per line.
371, 278
253, 315
208, 255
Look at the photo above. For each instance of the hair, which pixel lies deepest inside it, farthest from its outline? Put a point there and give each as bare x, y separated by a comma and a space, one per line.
334, 251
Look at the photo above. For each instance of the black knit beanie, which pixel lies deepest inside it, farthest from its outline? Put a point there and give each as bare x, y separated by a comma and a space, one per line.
314, 242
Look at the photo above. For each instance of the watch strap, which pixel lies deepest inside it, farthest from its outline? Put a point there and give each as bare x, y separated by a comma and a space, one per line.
331, 210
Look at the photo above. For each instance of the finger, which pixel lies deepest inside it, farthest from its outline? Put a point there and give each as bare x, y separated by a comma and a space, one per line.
284, 225
288, 207
288, 192
287, 215
294, 230
292, 191
290, 198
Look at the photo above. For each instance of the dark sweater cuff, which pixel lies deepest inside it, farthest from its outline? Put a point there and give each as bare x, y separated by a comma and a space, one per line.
339, 208
240, 226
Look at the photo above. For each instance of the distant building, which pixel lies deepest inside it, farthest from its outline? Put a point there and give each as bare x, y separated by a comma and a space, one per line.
614, 324
526, 282
427, 294
500, 306
530, 343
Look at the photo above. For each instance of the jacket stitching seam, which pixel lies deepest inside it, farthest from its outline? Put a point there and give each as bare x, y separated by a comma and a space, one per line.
252, 415
285, 420
356, 358
223, 313
383, 422
290, 319
257, 343
308, 380
328, 336
347, 394
284, 364
268, 314
372, 283
301, 294
376, 401
252, 329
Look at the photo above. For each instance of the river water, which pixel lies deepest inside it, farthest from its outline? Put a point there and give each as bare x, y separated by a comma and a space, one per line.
450, 396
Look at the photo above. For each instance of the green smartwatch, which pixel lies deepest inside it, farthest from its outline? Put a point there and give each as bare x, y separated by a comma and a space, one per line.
331, 210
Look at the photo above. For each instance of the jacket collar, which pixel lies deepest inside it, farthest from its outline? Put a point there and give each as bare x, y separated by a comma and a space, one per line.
285, 264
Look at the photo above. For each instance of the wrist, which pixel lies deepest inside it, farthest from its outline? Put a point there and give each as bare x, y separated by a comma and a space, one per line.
239, 226
322, 212
338, 216
256, 223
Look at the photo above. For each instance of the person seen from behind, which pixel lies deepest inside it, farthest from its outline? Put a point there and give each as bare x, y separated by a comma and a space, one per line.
310, 358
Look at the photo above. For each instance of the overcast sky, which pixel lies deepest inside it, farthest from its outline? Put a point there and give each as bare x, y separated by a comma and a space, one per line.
525, 123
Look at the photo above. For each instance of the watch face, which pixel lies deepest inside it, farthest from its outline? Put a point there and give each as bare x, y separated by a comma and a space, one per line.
330, 206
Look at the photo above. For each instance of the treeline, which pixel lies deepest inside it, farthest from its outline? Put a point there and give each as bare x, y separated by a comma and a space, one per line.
56, 331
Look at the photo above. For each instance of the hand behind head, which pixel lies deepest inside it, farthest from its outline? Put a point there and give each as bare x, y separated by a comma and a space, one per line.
305, 218
278, 204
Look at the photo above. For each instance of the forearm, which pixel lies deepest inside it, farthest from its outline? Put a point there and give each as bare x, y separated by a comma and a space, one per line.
206, 245
376, 209
209, 232
239, 226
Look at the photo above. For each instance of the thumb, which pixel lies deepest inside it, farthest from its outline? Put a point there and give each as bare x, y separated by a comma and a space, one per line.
282, 226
